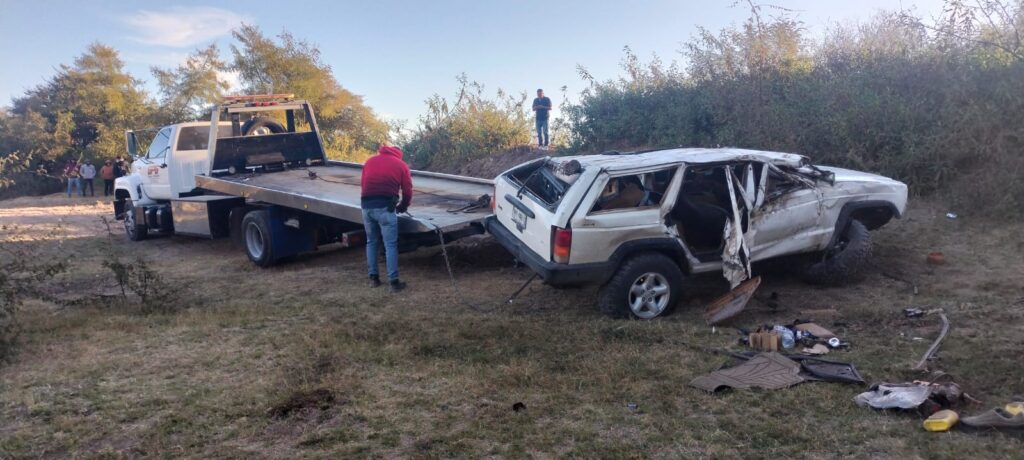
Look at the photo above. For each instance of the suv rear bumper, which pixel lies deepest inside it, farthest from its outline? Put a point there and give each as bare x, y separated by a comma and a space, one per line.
553, 273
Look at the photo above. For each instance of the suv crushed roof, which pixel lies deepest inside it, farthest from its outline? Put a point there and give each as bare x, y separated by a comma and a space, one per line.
622, 161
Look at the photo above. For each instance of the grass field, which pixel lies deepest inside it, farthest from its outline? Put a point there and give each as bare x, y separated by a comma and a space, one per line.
304, 360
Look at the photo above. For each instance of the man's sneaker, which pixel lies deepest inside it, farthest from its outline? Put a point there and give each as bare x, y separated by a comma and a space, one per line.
397, 285
374, 281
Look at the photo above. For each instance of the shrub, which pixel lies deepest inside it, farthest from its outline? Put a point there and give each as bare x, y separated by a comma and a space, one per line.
471, 127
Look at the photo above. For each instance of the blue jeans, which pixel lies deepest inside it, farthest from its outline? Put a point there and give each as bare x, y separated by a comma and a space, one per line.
381, 223
542, 131
73, 181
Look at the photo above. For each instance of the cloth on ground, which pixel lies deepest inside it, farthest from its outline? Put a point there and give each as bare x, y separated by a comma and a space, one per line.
766, 370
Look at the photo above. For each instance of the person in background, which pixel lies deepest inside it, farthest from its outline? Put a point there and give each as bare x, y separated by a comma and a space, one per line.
107, 174
120, 169
384, 176
88, 173
72, 175
542, 105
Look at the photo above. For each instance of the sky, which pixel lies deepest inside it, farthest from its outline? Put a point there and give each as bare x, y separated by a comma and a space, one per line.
395, 54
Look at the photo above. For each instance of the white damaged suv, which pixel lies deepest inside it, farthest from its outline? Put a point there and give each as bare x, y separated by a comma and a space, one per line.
638, 224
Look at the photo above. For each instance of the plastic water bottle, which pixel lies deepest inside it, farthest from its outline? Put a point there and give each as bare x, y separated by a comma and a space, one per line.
788, 340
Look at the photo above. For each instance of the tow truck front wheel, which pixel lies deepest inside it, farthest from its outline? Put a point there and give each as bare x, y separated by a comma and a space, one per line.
256, 235
645, 286
135, 230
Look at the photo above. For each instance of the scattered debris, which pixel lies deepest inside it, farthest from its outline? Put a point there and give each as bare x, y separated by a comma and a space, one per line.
732, 303
935, 346
829, 371
940, 421
913, 312
764, 340
815, 330
518, 406
766, 370
936, 258
1009, 416
633, 407
951, 215
817, 349
894, 396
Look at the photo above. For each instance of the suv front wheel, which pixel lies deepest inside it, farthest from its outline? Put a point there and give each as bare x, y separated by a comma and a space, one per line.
645, 286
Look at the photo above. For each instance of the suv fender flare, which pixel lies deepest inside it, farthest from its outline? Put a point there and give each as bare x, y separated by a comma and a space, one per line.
872, 213
670, 247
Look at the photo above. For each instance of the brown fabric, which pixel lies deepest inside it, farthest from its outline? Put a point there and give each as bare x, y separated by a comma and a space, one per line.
766, 370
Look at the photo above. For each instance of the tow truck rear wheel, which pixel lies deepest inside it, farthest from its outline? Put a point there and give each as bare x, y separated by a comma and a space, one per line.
256, 235
135, 230
646, 286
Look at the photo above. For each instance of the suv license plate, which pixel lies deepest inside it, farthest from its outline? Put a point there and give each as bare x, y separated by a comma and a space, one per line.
519, 218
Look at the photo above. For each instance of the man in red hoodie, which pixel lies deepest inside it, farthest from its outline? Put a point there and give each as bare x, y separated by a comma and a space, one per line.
385, 175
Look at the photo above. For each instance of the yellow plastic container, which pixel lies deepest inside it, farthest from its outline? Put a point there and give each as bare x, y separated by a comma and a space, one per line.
1015, 408
942, 420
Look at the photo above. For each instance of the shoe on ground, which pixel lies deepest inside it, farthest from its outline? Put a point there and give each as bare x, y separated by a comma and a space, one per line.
397, 285
374, 281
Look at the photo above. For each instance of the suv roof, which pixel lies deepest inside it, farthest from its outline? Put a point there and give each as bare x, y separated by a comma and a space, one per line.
628, 160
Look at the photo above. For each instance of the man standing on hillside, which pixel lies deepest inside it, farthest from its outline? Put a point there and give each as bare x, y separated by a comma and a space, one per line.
384, 176
542, 105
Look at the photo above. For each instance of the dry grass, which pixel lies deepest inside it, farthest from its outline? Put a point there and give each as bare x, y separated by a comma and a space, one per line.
302, 360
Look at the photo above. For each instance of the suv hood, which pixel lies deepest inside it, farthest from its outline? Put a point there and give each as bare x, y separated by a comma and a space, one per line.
849, 175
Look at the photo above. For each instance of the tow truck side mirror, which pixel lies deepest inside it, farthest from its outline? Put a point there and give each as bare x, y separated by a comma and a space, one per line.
132, 143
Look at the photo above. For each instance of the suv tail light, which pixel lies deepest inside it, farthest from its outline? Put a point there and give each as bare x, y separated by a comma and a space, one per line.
494, 199
561, 244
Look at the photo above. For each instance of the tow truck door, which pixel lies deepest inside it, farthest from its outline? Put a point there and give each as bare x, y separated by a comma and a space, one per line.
152, 167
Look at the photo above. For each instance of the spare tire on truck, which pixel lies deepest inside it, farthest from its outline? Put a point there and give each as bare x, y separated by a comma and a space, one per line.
261, 126
844, 262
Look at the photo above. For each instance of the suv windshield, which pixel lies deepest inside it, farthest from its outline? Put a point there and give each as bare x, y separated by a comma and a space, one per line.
542, 183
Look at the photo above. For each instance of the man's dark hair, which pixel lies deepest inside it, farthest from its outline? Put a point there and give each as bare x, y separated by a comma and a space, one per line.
539, 90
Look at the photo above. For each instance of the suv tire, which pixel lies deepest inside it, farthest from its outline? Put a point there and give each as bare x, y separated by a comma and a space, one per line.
645, 286
256, 238
132, 227
843, 263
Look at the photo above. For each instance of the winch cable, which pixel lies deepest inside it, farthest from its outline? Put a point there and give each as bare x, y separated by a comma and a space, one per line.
455, 285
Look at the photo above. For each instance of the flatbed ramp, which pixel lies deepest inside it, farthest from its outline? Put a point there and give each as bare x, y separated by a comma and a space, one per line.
334, 190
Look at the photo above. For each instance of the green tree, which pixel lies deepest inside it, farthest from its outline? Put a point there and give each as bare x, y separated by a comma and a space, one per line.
350, 129
188, 91
83, 110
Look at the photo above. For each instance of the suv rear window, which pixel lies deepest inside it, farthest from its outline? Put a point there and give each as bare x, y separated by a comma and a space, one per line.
541, 182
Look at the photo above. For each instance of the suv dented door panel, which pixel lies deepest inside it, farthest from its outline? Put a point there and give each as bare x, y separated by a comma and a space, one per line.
787, 223
596, 235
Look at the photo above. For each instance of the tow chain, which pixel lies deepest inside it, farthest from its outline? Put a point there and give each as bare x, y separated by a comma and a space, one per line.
455, 284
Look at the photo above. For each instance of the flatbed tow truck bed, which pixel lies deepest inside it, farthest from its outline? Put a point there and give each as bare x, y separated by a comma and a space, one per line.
333, 190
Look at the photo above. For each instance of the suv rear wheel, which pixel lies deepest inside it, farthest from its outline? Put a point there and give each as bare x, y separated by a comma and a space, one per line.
646, 286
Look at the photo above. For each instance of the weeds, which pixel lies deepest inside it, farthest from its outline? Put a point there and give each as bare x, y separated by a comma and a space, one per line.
25, 267
134, 276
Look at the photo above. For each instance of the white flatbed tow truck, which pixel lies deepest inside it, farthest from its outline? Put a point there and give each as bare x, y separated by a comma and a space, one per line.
270, 187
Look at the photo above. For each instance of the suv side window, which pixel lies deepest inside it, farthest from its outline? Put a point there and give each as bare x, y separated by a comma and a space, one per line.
634, 191
161, 143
